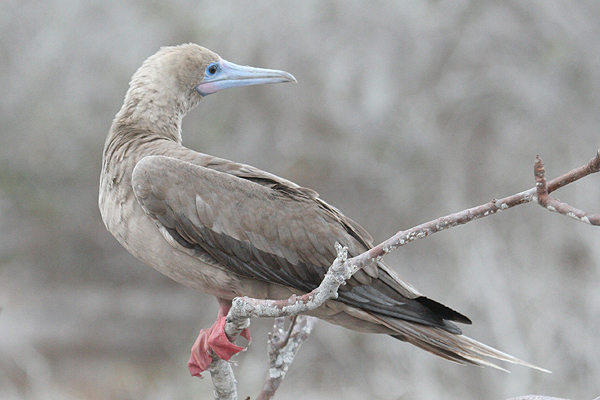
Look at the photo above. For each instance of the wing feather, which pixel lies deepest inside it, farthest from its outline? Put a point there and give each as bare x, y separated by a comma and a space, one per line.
263, 227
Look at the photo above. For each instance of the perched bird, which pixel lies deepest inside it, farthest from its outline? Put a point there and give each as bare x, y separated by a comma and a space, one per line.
230, 229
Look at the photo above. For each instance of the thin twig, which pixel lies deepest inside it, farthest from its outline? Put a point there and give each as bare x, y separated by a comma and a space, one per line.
288, 334
421, 231
545, 200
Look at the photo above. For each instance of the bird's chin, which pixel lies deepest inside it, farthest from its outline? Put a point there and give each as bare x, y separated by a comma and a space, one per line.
208, 88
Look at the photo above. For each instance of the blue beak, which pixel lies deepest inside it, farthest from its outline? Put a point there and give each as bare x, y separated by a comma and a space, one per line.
224, 74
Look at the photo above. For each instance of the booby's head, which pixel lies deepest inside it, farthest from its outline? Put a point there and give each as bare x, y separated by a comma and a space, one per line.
220, 74
189, 67
172, 82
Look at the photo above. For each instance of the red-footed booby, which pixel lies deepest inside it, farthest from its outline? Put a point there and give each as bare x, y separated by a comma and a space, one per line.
231, 230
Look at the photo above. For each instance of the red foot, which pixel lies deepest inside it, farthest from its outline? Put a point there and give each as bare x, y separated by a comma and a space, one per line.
209, 340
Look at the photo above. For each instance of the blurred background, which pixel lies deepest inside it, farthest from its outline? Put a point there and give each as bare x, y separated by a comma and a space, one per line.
404, 111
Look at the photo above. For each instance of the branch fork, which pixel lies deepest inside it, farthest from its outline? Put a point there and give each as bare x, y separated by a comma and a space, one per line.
551, 204
244, 308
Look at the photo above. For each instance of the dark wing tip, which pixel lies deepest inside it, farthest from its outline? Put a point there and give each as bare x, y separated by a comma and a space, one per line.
443, 311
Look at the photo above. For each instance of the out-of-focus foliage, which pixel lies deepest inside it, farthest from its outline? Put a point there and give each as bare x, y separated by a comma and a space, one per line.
404, 111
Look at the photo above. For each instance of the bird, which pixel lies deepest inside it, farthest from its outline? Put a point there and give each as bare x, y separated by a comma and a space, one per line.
230, 229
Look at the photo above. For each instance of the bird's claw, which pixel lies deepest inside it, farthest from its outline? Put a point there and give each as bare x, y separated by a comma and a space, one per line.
213, 340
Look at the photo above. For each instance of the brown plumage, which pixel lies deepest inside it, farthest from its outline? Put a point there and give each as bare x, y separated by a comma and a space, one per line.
233, 230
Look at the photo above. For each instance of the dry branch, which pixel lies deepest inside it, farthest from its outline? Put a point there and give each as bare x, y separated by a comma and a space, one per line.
544, 199
223, 379
244, 308
418, 232
282, 347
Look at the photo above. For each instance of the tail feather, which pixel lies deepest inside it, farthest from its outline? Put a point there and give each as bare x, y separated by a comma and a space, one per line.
454, 347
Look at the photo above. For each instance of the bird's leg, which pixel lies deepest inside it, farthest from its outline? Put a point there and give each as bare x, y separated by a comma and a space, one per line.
214, 341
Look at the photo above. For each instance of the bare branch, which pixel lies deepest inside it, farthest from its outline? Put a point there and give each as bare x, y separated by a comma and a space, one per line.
244, 308
421, 231
591, 167
546, 201
282, 347
223, 379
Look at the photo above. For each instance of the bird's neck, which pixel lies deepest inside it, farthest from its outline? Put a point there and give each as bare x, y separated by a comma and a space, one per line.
144, 124
151, 115
150, 119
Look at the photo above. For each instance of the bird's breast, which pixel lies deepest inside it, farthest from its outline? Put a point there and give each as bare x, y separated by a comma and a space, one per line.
141, 236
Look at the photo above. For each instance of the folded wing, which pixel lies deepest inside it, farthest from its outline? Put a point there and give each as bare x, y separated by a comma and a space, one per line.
265, 228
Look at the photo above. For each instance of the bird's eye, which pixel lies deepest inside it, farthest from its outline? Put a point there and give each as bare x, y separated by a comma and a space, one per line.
212, 69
